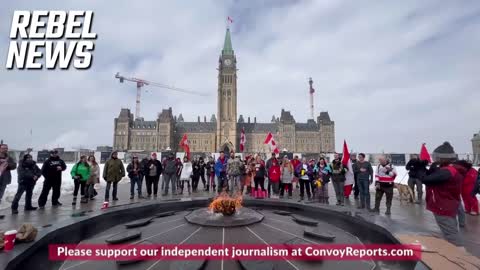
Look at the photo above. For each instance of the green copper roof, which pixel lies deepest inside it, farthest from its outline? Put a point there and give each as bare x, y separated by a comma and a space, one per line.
227, 45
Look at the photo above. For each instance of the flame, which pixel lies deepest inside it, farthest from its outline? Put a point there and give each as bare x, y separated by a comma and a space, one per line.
225, 204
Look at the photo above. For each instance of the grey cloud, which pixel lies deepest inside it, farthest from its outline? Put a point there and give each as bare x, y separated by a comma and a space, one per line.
391, 74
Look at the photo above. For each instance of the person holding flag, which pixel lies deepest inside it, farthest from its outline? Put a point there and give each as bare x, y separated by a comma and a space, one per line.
338, 178
349, 174
417, 169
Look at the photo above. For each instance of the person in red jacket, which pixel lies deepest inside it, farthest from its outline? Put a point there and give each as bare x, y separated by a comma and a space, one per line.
444, 186
471, 203
274, 178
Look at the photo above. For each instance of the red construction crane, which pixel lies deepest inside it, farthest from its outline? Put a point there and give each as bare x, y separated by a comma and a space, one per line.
141, 83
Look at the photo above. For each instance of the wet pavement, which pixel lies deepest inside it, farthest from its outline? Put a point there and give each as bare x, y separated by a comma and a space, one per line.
411, 219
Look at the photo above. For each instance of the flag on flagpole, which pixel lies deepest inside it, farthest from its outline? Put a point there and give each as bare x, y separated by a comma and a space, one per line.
424, 155
185, 145
229, 20
271, 142
242, 140
347, 162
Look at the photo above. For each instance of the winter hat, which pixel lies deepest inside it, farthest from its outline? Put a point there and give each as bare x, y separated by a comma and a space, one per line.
444, 152
154, 154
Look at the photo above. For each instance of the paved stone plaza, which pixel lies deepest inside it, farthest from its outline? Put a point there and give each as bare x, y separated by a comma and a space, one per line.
406, 219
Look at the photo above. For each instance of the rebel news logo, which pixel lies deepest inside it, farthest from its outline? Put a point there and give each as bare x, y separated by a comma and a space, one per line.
51, 39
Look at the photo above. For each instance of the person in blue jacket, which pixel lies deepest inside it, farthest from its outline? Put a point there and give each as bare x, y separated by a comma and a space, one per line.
221, 171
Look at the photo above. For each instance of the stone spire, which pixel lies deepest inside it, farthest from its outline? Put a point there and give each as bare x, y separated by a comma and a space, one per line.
180, 118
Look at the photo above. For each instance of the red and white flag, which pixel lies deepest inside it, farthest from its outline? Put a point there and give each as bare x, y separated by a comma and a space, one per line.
229, 20
424, 155
185, 145
242, 140
271, 142
347, 162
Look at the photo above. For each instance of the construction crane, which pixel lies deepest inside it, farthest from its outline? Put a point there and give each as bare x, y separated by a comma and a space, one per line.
141, 83
312, 91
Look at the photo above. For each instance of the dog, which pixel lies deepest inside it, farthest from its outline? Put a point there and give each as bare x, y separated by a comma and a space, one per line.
405, 192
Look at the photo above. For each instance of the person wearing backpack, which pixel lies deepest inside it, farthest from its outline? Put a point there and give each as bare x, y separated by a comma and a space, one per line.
169, 174
234, 172
80, 173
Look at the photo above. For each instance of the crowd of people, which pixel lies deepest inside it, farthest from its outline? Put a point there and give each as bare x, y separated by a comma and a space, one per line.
451, 185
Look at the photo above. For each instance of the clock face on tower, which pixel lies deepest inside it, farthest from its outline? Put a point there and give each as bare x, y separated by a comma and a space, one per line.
227, 62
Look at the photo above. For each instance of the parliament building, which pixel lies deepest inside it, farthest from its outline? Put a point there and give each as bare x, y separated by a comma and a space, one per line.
222, 131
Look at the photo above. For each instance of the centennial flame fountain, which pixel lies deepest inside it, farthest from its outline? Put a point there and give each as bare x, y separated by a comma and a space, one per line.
224, 211
226, 205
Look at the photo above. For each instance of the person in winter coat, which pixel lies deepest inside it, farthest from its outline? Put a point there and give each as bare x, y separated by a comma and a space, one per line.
195, 174
152, 175
94, 177
28, 174
113, 172
210, 171
385, 177
260, 173
269, 164
249, 174
143, 172
338, 179
274, 175
305, 174
286, 177
80, 173
135, 171
202, 165
295, 162
443, 189
6, 165
356, 188
186, 175
471, 203
364, 171
179, 172
417, 169
221, 171
52, 170
235, 169
323, 172
170, 174
476, 188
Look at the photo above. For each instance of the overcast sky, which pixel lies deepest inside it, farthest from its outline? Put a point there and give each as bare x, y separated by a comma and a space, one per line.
392, 74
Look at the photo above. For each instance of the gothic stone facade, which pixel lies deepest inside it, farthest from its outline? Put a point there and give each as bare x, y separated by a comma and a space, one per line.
315, 136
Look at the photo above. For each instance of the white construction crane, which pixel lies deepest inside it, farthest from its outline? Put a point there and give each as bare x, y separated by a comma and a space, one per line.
141, 83
311, 92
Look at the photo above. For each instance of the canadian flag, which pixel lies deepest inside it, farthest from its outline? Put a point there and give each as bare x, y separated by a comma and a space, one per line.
185, 145
242, 140
347, 162
424, 155
230, 20
271, 142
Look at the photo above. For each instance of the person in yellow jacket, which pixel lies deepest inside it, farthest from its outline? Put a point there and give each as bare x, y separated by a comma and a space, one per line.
80, 173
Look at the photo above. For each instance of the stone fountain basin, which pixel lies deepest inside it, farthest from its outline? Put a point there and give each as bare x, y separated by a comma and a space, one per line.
242, 217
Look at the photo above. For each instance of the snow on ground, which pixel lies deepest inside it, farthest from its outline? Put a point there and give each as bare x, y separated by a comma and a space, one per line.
67, 183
